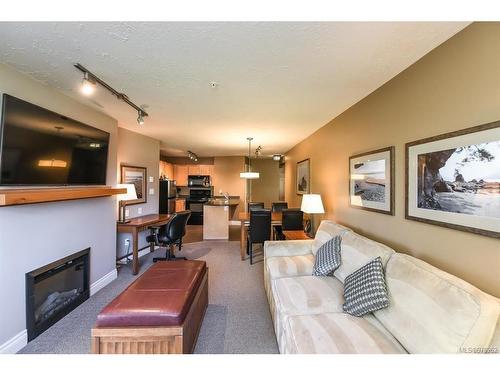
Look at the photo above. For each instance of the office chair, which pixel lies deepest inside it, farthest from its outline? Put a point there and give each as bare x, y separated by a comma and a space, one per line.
170, 234
292, 219
260, 229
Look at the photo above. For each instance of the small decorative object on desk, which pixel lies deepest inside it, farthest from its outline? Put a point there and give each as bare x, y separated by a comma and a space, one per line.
453, 180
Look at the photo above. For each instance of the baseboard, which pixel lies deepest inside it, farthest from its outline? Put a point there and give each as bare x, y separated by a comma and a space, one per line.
235, 222
103, 281
16, 343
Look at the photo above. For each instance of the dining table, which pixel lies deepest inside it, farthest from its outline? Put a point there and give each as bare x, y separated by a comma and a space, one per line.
244, 218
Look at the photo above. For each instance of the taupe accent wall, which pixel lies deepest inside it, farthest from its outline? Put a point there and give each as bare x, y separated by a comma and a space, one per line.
455, 86
267, 188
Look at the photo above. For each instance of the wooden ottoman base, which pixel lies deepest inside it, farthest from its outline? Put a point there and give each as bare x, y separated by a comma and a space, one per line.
155, 340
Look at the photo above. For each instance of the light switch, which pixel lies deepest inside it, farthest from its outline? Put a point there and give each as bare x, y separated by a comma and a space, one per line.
151, 191
139, 210
151, 179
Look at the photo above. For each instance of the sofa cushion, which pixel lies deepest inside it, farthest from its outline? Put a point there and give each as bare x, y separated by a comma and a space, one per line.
431, 311
365, 290
327, 258
356, 251
304, 295
326, 231
337, 333
300, 265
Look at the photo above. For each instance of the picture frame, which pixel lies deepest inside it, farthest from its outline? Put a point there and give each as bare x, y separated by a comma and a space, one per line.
453, 180
371, 181
303, 177
137, 176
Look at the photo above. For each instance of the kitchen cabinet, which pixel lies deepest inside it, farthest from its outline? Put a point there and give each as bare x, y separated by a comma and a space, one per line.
207, 170
166, 170
180, 205
181, 174
194, 170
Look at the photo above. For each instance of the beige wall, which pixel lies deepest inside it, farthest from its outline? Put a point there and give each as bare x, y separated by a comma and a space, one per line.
267, 188
226, 177
140, 151
455, 86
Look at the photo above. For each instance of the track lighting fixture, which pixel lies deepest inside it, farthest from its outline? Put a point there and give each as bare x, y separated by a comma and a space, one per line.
88, 85
192, 156
140, 118
90, 81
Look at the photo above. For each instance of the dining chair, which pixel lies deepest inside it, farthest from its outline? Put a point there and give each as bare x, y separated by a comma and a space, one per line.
292, 219
255, 206
259, 230
279, 206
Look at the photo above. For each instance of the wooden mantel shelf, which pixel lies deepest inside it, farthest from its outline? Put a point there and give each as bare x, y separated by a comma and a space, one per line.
11, 197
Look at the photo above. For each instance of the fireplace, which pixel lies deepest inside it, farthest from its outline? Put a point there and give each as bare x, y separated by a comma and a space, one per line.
54, 290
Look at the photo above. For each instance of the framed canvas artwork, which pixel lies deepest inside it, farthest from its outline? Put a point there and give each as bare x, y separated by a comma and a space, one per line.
137, 177
453, 180
371, 181
303, 177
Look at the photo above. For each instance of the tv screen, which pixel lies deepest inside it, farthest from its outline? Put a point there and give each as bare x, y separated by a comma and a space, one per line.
41, 147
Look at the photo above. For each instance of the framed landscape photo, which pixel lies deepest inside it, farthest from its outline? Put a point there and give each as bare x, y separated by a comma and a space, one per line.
137, 177
303, 177
371, 181
453, 180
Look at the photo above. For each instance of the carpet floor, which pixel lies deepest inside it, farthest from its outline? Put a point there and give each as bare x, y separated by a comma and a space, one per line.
237, 318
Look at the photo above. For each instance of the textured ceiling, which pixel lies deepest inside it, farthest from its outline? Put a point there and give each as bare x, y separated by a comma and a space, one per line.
277, 82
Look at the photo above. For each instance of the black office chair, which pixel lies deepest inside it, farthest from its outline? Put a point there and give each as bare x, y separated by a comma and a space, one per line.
255, 206
260, 229
278, 207
292, 219
170, 234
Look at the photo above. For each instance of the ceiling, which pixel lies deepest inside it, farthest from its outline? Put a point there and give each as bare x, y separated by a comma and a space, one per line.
276, 81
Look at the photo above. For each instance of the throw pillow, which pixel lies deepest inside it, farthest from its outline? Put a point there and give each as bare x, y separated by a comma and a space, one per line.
365, 289
327, 258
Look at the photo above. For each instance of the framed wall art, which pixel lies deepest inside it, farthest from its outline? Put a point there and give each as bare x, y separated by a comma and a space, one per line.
303, 182
453, 180
137, 177
371, 181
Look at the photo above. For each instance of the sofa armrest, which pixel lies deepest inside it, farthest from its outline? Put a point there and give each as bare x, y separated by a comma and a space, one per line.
287, 248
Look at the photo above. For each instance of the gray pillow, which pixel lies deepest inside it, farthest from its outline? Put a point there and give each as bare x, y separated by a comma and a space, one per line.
327, 258
365, 289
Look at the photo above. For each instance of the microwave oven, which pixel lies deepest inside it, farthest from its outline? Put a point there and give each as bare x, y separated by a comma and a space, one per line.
198, 181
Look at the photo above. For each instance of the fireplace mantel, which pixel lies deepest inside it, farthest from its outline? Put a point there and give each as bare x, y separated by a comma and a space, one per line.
12, 197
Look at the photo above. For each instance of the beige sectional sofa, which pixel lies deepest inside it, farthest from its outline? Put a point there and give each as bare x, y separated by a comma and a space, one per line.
430, 310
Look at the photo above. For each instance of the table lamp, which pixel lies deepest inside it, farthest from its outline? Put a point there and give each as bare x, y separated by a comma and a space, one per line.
312, 204
123, 198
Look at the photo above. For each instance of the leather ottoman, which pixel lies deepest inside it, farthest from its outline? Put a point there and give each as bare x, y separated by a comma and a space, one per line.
160, 312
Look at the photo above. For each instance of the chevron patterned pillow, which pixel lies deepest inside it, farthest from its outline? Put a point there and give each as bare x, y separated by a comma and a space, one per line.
365, 289
328, 257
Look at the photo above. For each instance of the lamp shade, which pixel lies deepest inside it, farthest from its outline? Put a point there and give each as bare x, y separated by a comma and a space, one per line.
129, 195
312, 204
250, 175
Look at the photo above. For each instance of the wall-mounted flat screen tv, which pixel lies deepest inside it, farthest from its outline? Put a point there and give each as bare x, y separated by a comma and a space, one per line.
41, 147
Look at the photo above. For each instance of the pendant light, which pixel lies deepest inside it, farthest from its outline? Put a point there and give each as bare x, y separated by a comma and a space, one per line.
249, 175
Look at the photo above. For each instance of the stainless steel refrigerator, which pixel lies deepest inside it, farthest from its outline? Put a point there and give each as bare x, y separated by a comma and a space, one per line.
168, 193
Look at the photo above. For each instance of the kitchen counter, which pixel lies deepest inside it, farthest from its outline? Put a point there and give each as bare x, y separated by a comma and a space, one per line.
223, 202
216, 214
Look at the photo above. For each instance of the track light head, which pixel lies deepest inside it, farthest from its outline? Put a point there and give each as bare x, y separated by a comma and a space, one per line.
88, 85
140, 118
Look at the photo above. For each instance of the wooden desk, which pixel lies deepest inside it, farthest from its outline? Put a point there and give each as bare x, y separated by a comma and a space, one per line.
244, 218
296, 235
139, 224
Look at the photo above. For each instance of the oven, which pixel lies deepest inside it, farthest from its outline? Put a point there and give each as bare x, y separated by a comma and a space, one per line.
194, 203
